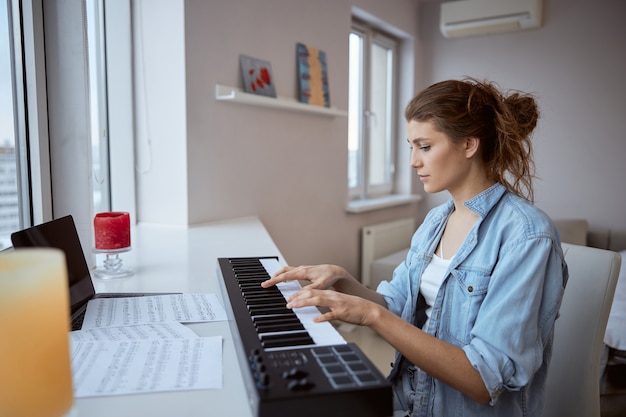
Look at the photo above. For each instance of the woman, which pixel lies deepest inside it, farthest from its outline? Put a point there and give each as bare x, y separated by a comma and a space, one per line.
471, 310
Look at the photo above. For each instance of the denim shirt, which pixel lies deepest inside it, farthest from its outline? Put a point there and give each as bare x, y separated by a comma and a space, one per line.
498, 302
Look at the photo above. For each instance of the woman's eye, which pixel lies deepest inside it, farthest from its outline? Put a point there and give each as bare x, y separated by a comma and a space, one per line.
424, 148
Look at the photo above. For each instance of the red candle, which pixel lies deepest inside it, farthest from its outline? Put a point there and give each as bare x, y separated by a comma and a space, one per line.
112, 230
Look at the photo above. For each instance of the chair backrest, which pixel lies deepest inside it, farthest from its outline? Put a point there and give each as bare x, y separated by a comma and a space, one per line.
573, 384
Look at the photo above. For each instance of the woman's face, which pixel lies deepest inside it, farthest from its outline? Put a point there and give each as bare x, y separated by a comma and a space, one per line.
440, 164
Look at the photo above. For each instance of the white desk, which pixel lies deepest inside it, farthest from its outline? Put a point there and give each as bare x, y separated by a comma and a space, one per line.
184, 259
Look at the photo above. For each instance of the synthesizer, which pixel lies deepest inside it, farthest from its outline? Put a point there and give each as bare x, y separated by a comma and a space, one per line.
292, 366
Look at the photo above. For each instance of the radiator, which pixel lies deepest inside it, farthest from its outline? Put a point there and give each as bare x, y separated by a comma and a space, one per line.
383, 239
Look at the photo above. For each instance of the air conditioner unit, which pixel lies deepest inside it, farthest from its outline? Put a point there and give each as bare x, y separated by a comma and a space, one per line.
480, 17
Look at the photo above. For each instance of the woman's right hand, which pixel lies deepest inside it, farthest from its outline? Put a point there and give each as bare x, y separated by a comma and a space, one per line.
321, 277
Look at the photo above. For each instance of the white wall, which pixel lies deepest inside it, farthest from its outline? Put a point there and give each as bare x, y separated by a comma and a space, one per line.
575, 65
290, 169
160, 111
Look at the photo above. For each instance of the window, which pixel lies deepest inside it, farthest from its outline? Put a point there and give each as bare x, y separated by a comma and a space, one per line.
97, 102
371, 113
41, 77
11, 154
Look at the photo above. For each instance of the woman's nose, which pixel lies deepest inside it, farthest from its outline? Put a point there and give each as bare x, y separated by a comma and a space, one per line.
415, 159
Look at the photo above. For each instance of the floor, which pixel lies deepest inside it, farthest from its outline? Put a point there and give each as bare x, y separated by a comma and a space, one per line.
613, 383
613, 391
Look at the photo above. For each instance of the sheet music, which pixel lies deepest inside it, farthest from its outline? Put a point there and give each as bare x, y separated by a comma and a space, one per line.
184, 308
173, 330
102, 368
139, 344
323, 333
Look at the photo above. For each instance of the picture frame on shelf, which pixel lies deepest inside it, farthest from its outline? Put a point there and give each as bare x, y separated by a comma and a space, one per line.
257, 76
312, 75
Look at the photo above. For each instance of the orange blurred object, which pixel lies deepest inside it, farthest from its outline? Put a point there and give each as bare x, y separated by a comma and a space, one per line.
35, 369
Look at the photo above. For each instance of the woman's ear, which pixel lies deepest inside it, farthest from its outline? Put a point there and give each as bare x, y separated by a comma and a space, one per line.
471, 146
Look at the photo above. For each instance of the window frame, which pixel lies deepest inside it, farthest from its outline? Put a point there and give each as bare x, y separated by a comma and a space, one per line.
372, 35
65, 165
98, 103
32, 140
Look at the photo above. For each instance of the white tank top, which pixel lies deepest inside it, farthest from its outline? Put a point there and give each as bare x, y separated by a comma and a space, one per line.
431, 281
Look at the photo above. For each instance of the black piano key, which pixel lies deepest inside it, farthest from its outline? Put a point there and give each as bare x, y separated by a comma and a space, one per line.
282, 327
270, 296
251, 277
257, 296
269, 309
253, 286
251, 282
259, 292
264, 311
266, 300
241, 275
280, 307
247, 289
248, 276
285, 340
250, 271
276, 319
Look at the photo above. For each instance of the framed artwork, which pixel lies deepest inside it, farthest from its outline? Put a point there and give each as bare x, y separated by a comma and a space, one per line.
312, 75
257, 76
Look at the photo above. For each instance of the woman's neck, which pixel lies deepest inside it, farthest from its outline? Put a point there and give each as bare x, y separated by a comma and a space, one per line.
469, 191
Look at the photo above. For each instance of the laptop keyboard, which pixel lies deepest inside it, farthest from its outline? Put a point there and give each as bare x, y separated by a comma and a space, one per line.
77, 322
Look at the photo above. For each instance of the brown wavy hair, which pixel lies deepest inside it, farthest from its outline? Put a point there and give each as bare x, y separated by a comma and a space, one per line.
503, 122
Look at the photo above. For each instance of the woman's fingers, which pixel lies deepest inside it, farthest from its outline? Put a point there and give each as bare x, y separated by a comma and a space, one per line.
282, 275
320, 276
308, 297
344, 307
302, 298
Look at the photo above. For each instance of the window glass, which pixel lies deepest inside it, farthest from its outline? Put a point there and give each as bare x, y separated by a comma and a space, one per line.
9, 174
98, 109
371, 117
355, 110
380, 96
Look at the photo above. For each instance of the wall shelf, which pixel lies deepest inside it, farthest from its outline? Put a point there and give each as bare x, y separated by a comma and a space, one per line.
236, 95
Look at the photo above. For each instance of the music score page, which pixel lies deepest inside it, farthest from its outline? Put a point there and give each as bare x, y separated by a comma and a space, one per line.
102, 368
183, 308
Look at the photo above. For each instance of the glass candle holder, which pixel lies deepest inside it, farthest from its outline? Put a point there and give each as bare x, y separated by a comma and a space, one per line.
35, 370
112, 237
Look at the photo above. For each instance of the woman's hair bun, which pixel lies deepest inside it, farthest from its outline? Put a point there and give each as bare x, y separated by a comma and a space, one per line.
524, 110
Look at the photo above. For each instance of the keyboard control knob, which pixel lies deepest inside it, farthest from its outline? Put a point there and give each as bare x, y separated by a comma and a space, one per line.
294, 373
299, 385
257, 366
263, 380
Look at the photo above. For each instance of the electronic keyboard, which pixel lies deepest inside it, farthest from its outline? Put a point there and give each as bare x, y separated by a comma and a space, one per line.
292, 366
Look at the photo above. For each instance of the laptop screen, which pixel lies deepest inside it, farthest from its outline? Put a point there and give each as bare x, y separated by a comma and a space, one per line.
61, 233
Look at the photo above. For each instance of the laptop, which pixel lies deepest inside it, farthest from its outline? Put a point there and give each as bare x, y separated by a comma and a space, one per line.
61, 233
